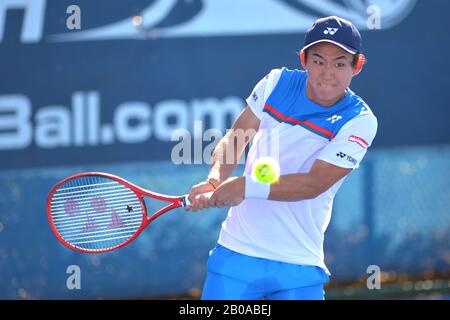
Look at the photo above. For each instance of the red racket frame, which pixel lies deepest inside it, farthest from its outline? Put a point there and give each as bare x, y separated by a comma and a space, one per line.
175, 202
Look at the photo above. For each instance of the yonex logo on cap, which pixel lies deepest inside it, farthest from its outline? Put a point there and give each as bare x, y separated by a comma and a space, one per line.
330, 31
326, 29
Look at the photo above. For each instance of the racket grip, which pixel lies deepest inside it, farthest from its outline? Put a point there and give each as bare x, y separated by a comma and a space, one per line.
186, 201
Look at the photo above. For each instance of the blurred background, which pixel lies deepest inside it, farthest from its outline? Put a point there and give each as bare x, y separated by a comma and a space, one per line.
101, 86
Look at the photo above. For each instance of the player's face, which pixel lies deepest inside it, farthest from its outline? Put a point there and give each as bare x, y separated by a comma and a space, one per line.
330, 72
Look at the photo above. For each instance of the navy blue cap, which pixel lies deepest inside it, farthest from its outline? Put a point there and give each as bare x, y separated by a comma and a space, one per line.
335, 30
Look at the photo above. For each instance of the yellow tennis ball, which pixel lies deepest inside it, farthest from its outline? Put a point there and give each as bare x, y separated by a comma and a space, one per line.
266, 170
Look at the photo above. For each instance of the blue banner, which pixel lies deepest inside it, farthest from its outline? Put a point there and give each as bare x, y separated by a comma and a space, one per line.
102, 82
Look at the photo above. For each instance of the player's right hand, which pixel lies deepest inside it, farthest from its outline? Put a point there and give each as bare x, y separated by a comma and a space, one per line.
197, 198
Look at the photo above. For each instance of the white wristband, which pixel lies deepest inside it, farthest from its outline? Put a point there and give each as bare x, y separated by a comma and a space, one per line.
256, 189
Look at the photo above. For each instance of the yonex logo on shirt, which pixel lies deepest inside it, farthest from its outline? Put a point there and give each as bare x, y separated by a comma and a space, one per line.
334, 118
349, 158
330, 31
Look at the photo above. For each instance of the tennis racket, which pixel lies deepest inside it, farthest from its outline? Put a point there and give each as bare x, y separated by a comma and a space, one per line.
97, 212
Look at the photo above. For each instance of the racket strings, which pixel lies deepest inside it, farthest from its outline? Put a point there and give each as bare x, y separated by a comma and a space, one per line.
95, 213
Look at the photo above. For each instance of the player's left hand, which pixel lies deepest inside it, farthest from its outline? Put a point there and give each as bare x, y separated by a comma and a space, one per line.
229, 193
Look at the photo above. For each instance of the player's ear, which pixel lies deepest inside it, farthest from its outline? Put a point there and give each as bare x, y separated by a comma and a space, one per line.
303, 59
359, 64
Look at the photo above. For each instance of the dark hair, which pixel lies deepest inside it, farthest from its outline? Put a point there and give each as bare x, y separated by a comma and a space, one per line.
354, 60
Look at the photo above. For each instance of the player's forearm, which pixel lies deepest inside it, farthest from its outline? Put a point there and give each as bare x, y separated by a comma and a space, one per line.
226, 155
295, 187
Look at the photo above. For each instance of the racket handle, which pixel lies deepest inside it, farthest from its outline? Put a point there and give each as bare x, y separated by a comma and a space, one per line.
186, 201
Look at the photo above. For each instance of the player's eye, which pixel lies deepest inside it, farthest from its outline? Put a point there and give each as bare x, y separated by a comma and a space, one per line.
340, 65
318, 62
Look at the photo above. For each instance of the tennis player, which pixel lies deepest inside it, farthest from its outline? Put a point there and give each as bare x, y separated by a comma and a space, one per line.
271, 243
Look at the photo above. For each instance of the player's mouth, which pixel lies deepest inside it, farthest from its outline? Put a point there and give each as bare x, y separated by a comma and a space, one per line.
327, 85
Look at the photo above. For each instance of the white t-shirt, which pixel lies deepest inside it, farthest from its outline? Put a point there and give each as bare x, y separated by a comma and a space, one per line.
293, 232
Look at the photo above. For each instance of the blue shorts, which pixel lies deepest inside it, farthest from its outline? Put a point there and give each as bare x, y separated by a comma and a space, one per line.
235, 276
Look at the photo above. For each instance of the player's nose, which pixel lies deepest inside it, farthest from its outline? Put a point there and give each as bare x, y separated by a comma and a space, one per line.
327, 72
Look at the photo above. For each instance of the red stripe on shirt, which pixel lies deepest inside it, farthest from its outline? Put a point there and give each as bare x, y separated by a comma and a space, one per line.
281, 116
309, 124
